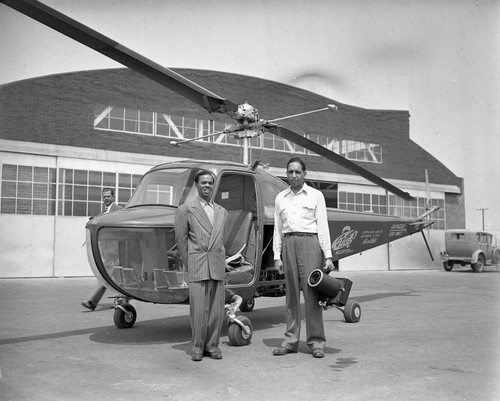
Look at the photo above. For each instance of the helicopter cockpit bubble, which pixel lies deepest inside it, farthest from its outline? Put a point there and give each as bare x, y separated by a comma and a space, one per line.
169, 187
143, 262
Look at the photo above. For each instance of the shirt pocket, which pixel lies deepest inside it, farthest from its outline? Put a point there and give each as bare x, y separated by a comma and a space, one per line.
309, 210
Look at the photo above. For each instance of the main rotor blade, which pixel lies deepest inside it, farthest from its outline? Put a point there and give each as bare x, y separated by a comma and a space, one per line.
336, 158
108, 47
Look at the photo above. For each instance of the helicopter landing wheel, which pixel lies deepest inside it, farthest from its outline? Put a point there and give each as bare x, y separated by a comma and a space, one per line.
124, 316
352, 312
237, 335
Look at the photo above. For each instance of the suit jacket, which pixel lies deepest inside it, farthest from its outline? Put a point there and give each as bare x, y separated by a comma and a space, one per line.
200, 244
114, 207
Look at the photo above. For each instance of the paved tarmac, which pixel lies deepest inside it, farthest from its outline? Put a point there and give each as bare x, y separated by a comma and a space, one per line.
423, 335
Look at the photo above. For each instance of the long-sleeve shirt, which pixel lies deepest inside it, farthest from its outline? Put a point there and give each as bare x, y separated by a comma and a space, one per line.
304, 211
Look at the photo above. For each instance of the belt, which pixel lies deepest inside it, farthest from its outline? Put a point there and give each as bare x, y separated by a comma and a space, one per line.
299, 234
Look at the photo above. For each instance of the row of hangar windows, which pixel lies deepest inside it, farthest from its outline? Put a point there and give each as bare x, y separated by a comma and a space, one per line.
132, 121
32, 190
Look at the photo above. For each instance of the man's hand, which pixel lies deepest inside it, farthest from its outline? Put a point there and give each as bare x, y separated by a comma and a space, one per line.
329, 267
278, 264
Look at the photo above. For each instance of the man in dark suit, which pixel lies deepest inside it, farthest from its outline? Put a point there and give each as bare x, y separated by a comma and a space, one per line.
199, 232
108, 198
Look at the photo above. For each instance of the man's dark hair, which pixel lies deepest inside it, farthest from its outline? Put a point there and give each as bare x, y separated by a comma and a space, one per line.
296, 160
110, 190
203, 172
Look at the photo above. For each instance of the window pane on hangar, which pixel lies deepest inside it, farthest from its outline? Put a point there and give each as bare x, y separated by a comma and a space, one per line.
80, 209
24, 190
23, 206
109, 180
40, 191
80, 192
81, 177
39, 207
66, 176
8, 205
94, 209
41, 174
8, 189
124, 195
135, 180
146, 122
116, 125
189, 127
9, 172
95, 194
68, 209
95, 178
131, 126
51, 207
68, 192
25, 173
131, 114
124, 180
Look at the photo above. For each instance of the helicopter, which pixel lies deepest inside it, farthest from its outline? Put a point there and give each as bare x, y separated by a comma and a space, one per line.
133, 251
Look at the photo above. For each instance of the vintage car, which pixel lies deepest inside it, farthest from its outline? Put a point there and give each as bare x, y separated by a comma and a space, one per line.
466, 247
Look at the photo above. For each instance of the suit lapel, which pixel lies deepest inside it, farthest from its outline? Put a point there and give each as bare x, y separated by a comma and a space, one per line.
200, 215
218, 223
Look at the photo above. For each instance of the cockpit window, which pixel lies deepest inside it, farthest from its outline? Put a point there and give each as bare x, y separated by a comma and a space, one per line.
164, 187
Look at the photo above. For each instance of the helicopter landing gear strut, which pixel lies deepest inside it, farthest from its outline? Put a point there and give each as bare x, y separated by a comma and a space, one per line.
240, 329
125, 314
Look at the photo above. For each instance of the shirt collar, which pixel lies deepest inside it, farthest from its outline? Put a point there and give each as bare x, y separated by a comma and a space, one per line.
203, 202
305, 189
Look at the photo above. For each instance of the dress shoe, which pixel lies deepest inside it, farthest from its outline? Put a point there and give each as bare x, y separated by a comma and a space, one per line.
318, 353
217, 354
283, 351
196, 356
88, 305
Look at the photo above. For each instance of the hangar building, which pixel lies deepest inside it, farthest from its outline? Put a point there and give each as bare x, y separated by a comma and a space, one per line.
64, 137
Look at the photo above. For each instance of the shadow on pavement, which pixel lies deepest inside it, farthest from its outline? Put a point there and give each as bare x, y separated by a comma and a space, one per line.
177, 328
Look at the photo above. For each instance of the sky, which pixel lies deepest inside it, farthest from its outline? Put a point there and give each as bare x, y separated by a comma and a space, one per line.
440, 60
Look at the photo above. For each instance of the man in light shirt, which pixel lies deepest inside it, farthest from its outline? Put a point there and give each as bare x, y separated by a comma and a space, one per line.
301, 243
108, 198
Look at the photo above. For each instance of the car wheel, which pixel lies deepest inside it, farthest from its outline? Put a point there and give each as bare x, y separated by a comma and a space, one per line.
479, 265
448, 266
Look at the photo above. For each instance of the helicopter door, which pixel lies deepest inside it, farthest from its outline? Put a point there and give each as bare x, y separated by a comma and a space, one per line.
236, 193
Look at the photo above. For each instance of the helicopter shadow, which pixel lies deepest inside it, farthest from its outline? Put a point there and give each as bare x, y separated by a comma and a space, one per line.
167, 330
177, 329
375, 297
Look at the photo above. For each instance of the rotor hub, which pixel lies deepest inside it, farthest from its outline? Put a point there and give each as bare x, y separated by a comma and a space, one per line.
247, 113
